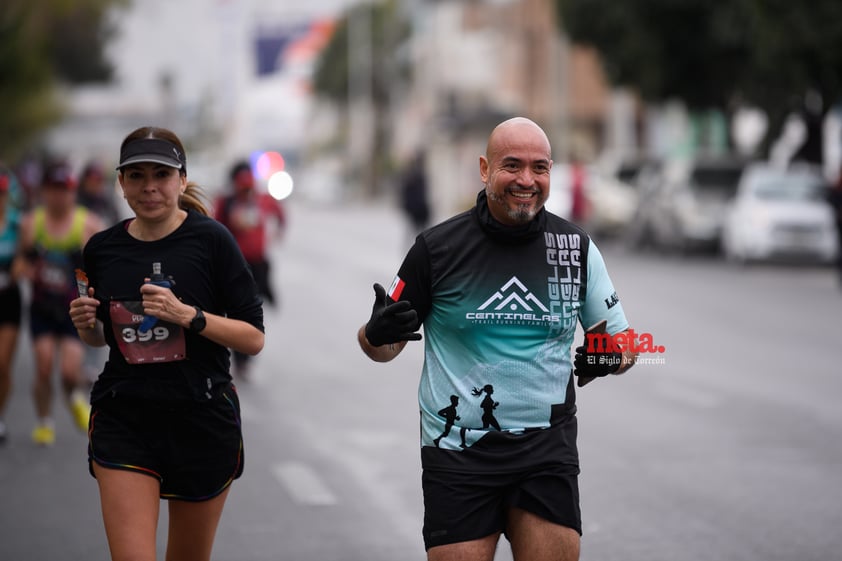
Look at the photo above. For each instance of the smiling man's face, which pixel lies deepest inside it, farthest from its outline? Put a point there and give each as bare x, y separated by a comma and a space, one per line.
516, 171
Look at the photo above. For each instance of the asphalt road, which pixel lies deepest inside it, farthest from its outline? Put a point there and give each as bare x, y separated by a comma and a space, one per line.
726, 448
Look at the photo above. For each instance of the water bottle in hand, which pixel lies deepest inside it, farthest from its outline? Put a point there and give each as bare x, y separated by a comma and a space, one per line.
157, 278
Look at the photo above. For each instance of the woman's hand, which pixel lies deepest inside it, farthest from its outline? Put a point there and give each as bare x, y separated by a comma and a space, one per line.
159, 301
83, 311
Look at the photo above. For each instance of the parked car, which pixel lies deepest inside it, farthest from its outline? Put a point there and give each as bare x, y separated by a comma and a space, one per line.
611, 200
646, 179
779, 214
611, 203
686, 211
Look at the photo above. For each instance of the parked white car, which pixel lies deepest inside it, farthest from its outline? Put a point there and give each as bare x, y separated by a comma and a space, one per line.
780, 214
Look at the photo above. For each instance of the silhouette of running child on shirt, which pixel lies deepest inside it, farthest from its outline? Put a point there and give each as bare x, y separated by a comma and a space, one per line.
450, 417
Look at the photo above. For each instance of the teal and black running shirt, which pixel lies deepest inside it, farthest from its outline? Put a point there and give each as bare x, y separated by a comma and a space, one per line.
499, 307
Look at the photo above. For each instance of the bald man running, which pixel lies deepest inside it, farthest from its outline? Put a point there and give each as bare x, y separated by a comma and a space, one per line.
499, 290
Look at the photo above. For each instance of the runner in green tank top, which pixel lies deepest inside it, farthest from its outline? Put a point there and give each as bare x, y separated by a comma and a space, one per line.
51, 241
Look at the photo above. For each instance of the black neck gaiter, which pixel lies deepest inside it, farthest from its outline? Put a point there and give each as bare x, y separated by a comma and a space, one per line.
503, 233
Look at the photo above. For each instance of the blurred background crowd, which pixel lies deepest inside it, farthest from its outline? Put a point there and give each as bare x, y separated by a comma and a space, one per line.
654, 108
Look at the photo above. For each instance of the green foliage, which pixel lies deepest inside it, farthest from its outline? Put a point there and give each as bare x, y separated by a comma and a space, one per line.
388, 31
77, 35
330, 79
794, 47
24, 88
712, 53
43, 42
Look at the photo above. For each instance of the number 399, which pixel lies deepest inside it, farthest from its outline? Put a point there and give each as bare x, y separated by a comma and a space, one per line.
132, 335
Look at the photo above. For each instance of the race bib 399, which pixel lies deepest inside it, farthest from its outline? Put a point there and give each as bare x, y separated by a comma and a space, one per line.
164, 342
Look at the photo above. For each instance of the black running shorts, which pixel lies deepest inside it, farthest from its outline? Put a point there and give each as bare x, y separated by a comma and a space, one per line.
10, 305
461, 507
51, 320
195, 449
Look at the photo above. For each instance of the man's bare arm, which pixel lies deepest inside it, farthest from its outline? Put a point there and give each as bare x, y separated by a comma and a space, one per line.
383, 353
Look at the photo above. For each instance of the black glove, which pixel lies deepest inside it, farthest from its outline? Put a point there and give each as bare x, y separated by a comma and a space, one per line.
391, 323
595, 364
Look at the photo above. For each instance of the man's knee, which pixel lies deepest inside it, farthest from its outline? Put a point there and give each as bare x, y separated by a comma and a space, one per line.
482, 549
536, 539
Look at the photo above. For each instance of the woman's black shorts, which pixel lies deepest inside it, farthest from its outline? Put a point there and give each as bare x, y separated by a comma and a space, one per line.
195, 449
462, 507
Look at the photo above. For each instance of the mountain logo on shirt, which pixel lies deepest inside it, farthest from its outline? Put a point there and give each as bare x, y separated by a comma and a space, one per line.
513, 303
513, 295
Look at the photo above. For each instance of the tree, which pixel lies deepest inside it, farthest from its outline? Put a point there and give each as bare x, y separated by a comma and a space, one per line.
77, 34
715, 54
388, 30
44, 43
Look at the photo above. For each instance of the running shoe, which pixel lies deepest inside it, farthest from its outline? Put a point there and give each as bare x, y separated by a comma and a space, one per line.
44, 435
81, 412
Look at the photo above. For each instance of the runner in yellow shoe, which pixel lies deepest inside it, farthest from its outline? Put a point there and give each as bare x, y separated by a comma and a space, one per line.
51, 241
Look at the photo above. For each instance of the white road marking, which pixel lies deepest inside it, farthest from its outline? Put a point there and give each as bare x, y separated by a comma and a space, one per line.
303, 484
